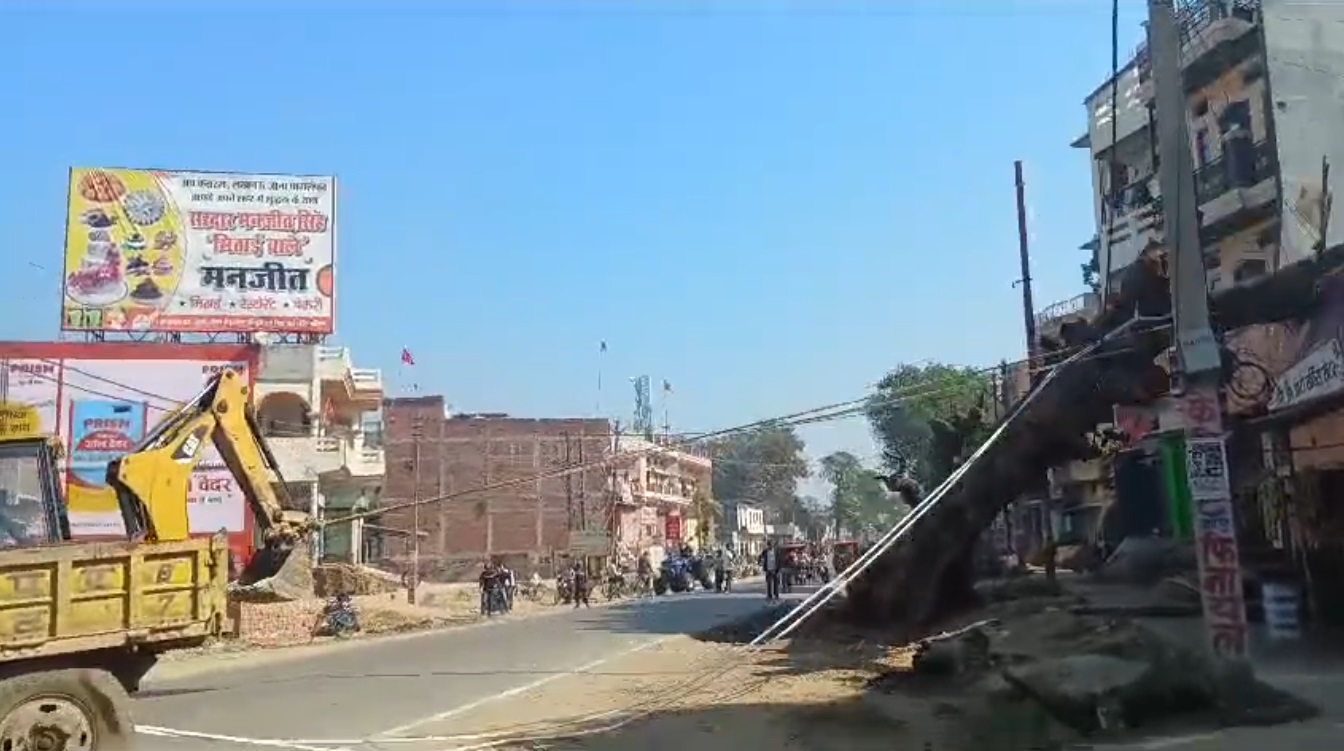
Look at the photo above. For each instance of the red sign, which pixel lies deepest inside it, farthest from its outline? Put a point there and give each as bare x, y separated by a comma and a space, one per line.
1135, 423
672, 529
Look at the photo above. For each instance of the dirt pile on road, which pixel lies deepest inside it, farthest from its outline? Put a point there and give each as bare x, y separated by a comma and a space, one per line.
1037, 661
331, 579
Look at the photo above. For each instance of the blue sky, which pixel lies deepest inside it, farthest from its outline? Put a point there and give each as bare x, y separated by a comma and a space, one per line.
766, 204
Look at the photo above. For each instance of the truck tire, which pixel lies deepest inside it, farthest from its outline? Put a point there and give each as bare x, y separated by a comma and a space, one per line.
79, 709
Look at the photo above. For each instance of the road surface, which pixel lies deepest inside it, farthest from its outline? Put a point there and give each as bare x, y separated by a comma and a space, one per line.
395, 687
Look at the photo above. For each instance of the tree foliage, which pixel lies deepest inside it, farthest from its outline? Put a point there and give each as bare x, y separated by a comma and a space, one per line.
706, 511
859, 502
928, 418
762, 465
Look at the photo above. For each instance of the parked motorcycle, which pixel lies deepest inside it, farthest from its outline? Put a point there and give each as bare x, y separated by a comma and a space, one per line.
338, 618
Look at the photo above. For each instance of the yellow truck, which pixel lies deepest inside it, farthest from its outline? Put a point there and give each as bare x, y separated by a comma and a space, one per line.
82, 622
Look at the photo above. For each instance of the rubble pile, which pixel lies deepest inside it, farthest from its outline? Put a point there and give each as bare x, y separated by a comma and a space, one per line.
1087, 674
330, 579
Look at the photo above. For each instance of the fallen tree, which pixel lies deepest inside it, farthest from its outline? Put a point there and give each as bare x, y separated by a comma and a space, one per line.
929, 571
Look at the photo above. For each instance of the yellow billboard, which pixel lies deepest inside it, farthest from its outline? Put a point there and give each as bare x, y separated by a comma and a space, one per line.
157, 250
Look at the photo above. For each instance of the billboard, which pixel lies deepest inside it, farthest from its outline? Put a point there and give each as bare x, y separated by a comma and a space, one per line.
101, 398
154, 250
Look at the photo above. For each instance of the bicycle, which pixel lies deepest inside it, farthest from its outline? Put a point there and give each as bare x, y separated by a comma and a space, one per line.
532, 592
614, 587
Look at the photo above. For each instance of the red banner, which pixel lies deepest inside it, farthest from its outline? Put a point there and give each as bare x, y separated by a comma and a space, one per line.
672, 530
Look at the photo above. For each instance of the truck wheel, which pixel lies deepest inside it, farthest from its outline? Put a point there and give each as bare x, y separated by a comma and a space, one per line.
65, 710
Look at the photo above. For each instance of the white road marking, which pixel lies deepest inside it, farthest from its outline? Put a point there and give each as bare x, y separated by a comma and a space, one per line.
515, 691
172, 733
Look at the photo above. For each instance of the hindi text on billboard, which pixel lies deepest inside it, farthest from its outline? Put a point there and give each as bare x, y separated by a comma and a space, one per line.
152, 250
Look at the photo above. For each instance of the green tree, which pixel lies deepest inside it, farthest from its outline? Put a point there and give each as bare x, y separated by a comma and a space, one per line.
928, 418
859, 502
762, 465
706, 511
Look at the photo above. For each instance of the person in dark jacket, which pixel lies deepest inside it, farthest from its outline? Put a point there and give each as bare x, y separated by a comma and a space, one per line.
771, 563
581, 585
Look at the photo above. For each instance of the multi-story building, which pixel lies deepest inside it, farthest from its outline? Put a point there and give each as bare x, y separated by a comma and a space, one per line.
657, 491
1231, 126
1261, 81
517, 501
742, 527
312, 404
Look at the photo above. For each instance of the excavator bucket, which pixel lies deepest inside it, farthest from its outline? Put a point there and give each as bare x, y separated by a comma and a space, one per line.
282, 570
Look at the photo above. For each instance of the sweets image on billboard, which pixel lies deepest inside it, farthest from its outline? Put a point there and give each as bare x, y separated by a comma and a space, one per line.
151, 250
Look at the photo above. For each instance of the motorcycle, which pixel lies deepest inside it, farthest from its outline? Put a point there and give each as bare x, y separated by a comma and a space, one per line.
564, 590
338, 618
680, 574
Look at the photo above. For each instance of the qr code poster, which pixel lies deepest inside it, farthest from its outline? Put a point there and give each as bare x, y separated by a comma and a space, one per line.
1206, 468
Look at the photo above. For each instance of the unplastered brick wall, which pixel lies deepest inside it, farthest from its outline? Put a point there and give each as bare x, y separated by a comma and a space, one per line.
275, 624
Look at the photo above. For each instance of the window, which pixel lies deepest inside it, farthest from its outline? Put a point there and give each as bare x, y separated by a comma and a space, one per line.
24, 518
1250, 269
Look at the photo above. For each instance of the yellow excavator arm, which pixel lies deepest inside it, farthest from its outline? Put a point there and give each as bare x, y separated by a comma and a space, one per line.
153, 481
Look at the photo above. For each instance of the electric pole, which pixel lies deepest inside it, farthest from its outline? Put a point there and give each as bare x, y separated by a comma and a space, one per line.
1024, 256
413, 583
1199, 378
1033, 363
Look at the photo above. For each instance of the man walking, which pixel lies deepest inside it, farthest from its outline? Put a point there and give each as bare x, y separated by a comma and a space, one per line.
770, 564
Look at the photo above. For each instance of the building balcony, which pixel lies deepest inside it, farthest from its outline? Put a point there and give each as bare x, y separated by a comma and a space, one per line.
643, 495
1078, 307
1236, 189
1137, 224
308, 458
672, 447
343, 383
300, 459
353, 459
1215, 36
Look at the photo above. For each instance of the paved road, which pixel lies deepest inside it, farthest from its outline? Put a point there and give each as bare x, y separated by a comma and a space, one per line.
398, 686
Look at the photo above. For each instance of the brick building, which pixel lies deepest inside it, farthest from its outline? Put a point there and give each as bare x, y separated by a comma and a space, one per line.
525, 523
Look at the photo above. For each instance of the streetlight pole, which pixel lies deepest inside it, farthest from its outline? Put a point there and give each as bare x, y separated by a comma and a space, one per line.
1198, 382
413, 583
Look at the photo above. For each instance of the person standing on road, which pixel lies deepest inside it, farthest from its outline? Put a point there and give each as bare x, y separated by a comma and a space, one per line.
770, 564
581, 585
487, 584
510, 585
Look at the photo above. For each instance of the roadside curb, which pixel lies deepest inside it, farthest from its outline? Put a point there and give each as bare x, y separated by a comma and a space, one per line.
173, 669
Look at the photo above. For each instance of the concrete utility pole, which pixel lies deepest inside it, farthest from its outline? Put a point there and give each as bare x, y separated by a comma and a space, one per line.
413, 583
1199, 362
1033, 350
1024, 255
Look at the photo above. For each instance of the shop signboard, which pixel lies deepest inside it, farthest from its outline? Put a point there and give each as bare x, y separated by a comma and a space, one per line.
158, 250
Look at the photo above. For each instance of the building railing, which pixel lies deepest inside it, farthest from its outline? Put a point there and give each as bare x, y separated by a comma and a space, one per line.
1221, 175
1196, 15
1077, 305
